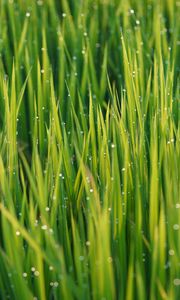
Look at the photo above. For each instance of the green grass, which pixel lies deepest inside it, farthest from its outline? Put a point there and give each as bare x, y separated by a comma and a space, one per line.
89, 150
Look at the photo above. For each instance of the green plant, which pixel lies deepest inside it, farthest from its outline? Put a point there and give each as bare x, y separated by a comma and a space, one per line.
89, 150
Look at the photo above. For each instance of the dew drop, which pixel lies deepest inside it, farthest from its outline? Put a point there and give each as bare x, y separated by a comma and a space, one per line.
36, 273
28, 14
56, 284
171, 252
81, 258
176, 281
110, 259
44, 227
176, 226
33, 269
40, 2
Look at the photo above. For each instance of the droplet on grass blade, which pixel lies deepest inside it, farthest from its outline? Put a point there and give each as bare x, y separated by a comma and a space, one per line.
44, 227
110, 259
33, 269
176, 226
36, 273
56, 284
176, 281
81, 258
40, 2
171, 252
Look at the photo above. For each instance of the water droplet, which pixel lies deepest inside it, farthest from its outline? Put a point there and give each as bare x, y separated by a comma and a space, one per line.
28, 14
24, 274
110, 259
171, 252
98, 45
36, 223
40, 2
176, 226
33, 269
81, 258
176, 281
44, 227
56, 284
18, 233
36, 273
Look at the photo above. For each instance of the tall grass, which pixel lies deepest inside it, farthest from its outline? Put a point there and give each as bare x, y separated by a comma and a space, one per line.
89, 150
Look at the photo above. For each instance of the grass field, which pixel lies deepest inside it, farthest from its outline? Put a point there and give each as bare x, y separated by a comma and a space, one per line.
89, 150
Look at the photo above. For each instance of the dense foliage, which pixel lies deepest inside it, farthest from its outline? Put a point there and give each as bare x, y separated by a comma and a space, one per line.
89, 150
